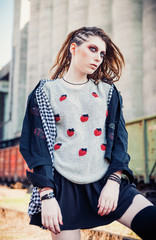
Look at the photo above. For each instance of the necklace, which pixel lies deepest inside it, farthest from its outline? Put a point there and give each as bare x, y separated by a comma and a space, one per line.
75, 83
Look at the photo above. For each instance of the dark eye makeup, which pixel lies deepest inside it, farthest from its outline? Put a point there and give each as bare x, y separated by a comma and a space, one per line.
94, 49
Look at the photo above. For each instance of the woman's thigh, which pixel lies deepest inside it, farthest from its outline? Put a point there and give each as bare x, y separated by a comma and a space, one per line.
67, 235
139, 202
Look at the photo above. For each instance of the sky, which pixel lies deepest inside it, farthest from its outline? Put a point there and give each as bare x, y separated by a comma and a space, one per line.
6, 29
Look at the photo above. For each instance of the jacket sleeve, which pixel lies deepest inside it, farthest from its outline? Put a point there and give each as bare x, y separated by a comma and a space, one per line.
33, 146
119, 156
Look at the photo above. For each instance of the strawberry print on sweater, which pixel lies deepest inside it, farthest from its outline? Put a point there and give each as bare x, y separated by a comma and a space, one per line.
84, 118
63, 97
57, 146
103, 147
57, 117
80, 140
70, 132
82, 151
97, 131
94, 94
106, 112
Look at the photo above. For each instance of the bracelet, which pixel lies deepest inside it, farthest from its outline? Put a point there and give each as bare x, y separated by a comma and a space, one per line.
116, 176
44, 189
114, 179
48, 196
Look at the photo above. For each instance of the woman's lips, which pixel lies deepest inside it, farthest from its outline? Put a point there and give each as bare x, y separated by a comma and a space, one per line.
93, 66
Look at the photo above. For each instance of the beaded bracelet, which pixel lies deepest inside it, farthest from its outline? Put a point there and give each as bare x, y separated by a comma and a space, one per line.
44, 189
48, 196
115, 178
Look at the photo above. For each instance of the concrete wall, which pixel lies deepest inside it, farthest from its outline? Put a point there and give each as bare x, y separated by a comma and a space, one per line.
127, 34
17, 80
149, 57
38, 37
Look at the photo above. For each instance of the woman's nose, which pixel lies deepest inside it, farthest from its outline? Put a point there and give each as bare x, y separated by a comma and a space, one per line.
97, 58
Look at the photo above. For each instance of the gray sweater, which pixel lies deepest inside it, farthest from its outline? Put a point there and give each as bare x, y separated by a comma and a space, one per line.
80, 114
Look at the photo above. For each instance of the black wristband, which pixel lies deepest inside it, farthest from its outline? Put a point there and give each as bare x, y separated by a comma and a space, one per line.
116, 176
115, 179
48, 196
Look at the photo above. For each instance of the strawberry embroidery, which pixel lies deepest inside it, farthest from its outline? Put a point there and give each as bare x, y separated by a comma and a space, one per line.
106, 112
82, 151
70, 132
35, 111
57, 146
63, 97
84, 118
103, 147
94, 94
57, 117
40, 133
97, 131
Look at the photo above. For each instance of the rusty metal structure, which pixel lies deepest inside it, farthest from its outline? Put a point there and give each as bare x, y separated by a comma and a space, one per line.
141, 147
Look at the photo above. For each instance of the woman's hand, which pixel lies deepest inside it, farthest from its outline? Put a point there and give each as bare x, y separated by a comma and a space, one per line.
108, 199
51, 215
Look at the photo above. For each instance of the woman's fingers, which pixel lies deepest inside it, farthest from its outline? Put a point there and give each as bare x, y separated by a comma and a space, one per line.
107, 207
43, 223
46, 222
114, 206
56, 225
60, 217
51, 215
51, 226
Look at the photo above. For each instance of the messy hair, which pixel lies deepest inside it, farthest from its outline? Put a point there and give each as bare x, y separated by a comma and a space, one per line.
109, 70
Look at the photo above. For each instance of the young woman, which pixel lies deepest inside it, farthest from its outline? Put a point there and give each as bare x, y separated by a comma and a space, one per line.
74, 139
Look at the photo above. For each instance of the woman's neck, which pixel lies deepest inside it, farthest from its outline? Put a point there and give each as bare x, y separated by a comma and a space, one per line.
74, 76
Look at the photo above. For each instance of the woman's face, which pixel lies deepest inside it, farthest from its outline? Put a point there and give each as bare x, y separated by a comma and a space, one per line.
89, 55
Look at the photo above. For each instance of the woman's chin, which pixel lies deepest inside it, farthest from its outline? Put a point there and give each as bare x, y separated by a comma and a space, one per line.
89, 72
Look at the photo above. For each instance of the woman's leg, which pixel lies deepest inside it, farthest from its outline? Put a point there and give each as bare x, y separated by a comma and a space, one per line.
140, 217
139, 202
67, 235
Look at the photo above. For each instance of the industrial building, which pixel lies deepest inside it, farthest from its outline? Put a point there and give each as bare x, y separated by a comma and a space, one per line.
39, 29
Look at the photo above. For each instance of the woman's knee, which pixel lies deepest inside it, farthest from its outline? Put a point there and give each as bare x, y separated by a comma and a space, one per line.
139, 203
67, 235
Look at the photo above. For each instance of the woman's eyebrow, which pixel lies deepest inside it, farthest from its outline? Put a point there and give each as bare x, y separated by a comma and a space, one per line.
98, 48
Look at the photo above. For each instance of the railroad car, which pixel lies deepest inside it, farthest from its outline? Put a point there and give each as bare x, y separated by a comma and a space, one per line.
141, 147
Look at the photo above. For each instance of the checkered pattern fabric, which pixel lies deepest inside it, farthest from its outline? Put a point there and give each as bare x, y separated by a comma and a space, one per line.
110, 94
49, 127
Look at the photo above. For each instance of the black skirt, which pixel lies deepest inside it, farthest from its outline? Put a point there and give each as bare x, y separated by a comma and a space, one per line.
78, 203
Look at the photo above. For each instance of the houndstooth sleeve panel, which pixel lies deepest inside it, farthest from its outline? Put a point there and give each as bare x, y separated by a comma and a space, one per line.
49, 127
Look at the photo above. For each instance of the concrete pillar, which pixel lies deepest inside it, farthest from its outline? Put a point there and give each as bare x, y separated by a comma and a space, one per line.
45, 37
99, 14
21, 94
59, 26
149, 56
127, 35
77, 14
17, 80
33, 74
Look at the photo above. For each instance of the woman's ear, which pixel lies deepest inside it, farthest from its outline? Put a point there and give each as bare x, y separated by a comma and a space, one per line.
72, 48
